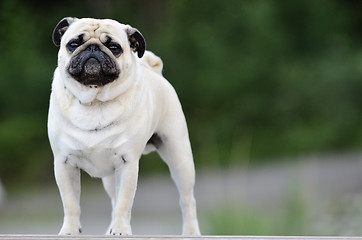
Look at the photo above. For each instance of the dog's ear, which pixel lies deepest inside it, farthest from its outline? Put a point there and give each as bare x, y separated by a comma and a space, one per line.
60, 29
136, 41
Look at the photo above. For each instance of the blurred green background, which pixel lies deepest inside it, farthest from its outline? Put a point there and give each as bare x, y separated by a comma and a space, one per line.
259, 80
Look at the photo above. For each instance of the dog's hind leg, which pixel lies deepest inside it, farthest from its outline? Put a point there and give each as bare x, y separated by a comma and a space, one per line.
175, 150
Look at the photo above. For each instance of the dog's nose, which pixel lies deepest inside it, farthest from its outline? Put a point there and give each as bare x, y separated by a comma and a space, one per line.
92, 48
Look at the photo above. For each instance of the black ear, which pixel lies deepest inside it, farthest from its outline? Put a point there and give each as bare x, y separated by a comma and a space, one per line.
60, 29
136, 41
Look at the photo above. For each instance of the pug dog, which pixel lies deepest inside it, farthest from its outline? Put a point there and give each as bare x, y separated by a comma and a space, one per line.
110, 104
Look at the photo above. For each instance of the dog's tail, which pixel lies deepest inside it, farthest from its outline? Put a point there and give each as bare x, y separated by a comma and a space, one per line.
152, 61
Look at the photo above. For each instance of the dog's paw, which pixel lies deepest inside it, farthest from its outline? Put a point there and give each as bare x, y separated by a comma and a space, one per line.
69, 230
117, 231
191, 229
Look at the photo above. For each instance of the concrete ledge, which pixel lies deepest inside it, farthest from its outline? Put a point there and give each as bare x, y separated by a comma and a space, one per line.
165, 237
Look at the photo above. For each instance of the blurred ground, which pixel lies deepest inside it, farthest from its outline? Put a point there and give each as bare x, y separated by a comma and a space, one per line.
330, 188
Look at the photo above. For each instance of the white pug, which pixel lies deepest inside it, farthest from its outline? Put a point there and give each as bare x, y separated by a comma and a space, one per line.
107, 108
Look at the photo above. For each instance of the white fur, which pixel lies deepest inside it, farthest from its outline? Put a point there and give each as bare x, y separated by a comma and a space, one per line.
104, 130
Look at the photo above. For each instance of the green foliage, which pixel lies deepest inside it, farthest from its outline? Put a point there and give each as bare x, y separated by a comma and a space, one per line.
257, 79
284, 73
237, 220
293, 215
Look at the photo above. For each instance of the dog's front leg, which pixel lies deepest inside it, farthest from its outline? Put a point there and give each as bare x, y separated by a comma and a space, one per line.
68, 181
126, 183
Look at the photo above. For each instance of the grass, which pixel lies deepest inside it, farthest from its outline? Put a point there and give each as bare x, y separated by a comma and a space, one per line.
338, 217
239, 219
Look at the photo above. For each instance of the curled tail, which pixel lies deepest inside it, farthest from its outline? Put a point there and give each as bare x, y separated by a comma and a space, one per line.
152, 61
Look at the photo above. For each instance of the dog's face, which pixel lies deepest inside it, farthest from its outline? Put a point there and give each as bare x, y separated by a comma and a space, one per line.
96, 52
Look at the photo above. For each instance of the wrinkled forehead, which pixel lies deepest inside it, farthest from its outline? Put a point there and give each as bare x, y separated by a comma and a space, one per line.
97, 29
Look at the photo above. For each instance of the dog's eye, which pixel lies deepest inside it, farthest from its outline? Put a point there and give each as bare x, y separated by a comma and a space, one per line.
72, 45
115, 48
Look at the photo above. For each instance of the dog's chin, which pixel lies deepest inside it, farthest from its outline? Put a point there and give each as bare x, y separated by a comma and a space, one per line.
94, 80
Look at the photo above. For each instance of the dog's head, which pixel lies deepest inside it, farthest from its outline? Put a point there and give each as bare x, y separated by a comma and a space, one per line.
96, 52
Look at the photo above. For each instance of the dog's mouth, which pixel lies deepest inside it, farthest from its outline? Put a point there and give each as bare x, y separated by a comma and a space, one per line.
93, 67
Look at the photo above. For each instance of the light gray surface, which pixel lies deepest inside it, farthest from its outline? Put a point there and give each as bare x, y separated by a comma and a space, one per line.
170, 237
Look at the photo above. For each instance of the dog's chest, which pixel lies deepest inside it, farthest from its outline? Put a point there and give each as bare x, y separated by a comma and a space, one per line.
98, 152
99, 144
96, 162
